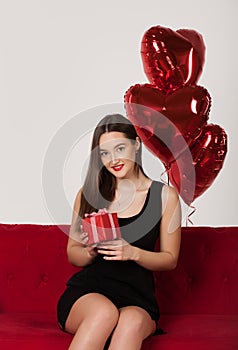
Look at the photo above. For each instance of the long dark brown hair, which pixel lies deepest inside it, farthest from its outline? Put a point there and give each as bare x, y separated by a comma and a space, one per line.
98, 189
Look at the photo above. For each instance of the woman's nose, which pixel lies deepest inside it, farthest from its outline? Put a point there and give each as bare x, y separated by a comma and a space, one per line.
114, 159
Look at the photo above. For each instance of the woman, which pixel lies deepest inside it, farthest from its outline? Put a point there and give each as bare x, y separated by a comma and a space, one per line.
111, 301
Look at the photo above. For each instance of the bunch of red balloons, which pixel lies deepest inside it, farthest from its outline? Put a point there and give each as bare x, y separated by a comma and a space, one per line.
170, 114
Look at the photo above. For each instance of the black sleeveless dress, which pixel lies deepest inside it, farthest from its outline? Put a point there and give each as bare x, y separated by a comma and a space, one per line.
123, 282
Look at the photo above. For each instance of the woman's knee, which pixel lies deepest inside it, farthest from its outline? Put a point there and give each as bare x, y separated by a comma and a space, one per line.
131, 319
104, 313
136, 321
94, 310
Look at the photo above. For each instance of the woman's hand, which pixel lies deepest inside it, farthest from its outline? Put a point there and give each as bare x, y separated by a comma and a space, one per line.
117, 249
92, 251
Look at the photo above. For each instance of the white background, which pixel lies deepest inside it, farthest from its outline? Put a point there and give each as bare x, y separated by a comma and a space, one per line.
59, 58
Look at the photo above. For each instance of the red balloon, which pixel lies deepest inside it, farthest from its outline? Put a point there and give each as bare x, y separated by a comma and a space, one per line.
193, 173
172, 59
167, 123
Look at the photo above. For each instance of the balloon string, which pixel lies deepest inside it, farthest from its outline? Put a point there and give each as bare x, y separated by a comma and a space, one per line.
187, 217
165, 182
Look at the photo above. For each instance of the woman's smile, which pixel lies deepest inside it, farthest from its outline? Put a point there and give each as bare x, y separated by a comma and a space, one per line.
118, 167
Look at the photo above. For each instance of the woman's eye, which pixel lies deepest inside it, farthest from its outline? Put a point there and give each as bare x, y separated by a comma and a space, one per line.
103, 154
121, 148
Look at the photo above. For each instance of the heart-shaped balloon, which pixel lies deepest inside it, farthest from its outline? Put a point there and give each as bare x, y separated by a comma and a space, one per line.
194, 172
168, 123
172, 59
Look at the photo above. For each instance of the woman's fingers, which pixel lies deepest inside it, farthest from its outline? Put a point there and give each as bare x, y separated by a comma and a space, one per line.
83, 235
124, 251
108, 252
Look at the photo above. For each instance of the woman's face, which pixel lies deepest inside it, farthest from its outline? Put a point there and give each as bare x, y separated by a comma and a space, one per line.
118, 153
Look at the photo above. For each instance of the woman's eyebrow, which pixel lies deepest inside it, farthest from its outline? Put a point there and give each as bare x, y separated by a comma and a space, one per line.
119, 144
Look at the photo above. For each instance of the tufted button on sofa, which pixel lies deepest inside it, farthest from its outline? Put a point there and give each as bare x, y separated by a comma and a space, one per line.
198, 300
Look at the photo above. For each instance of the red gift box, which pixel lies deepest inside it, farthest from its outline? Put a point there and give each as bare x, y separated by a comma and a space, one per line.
101, 226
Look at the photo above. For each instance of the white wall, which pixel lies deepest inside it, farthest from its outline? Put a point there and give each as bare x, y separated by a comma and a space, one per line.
59, 59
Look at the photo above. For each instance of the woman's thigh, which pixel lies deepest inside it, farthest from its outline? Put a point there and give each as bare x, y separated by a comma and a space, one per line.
94, 307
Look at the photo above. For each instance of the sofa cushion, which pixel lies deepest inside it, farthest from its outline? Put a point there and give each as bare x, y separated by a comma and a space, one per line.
27, 331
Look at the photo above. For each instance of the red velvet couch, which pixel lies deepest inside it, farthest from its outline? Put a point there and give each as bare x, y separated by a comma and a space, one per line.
198, 300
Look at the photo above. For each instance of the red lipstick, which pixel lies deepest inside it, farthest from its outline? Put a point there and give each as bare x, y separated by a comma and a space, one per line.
118, 167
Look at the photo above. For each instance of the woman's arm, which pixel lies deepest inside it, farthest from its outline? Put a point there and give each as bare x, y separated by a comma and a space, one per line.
78, 254
170, 236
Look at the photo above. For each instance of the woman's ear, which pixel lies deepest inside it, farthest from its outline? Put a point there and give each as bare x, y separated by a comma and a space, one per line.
138, 142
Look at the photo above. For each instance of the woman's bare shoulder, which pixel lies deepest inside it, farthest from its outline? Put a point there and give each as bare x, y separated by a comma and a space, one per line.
169, 192
169, 196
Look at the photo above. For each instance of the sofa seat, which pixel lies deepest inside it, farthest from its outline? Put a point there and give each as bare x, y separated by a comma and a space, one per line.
38, 331
35, 331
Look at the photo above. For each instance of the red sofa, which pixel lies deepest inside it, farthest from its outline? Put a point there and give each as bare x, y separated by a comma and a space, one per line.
198, 300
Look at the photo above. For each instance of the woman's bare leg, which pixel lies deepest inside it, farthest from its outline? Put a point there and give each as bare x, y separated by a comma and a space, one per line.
92, 318
134, 325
